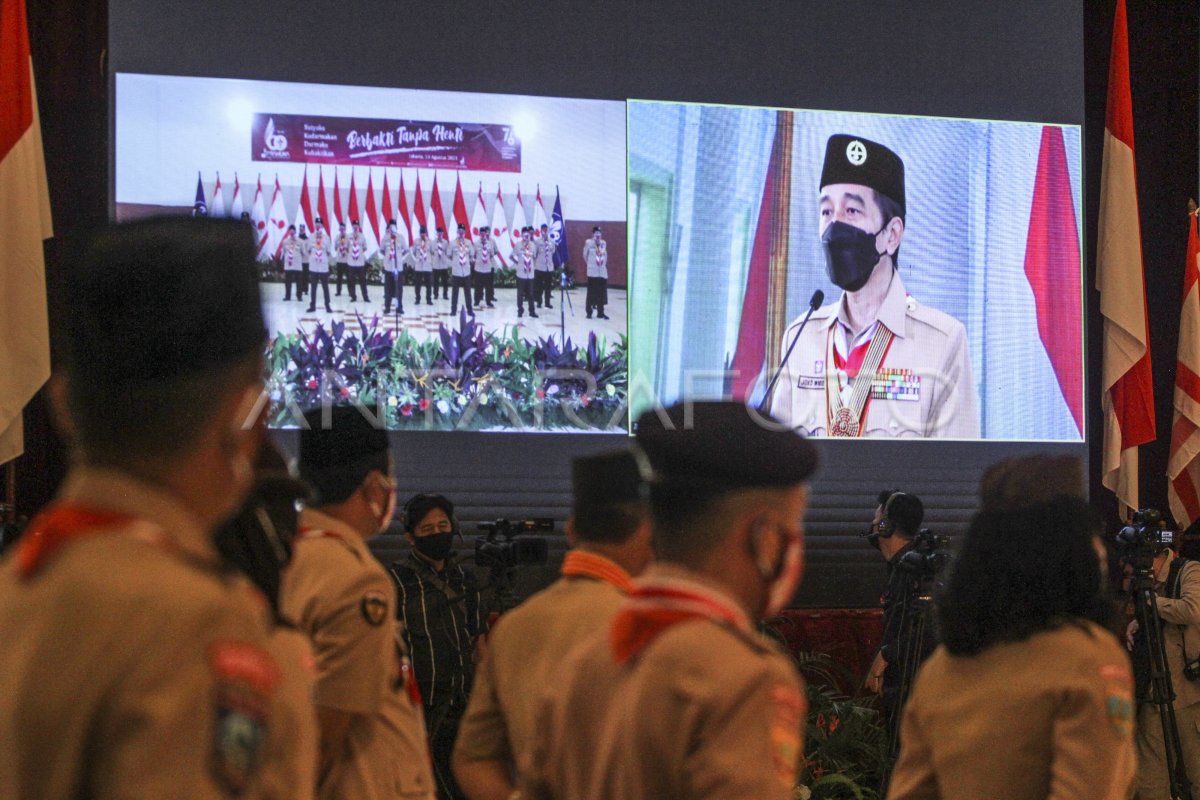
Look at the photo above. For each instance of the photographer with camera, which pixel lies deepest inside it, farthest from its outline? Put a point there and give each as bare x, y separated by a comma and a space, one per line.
609, 532
444, 615
1177, 590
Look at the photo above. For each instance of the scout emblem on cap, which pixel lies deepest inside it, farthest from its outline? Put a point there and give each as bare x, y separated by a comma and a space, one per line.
374, 608
856, 153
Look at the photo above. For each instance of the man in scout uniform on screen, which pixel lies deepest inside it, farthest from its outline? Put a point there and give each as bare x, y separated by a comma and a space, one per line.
877, 362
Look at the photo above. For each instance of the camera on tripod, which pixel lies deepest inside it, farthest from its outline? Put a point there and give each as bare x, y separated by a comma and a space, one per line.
1144, 535
928, 555
503, 547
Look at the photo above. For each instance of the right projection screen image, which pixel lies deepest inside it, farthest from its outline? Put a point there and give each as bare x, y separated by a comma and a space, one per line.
940, 259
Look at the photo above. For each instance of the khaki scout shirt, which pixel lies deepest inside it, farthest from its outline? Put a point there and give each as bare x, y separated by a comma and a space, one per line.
924, 386
1047, 717
525, 652
289, 770
595, 256
1181, 632
337, 593
113, 677
707, 710
461, 256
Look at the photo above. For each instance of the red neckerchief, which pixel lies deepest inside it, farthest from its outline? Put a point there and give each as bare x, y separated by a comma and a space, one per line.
59, 525
582, 564
658, 604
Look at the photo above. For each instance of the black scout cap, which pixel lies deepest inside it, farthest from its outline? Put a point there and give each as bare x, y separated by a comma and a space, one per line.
335, 457
162, 298
605, 479
853, 159
720, 446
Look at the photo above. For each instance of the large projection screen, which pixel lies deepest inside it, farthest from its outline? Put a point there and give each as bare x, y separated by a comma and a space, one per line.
1008, 63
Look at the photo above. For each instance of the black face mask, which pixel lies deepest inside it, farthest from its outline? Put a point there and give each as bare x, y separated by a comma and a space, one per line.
872, 539
435, 546
850, 255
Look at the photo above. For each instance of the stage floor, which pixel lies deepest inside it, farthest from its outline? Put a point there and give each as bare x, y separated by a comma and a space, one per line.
422, 321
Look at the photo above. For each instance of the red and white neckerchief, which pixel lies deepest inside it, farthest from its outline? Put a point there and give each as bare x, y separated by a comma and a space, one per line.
582, 564
601, 253
847, 396
62, 523
463, 252
657, 604
355, 247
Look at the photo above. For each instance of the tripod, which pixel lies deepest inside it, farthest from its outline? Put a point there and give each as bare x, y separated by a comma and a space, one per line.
564, 300
1160, 692
912, 616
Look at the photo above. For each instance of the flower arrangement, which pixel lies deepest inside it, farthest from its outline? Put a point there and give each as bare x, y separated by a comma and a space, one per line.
467, 378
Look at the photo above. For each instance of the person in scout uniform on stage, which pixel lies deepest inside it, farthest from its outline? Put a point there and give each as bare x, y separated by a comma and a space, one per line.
486, 256
341, 257
320, 250
420, 257
134, 663
609, 531
305, 257
373, 741
595, 256
460, 258
289, 254
358, 260
681, 696
523, 258
441, 264
543, 282
393, 269
877, 362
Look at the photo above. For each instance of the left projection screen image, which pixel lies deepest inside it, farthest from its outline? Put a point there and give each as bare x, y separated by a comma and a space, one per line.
484, 285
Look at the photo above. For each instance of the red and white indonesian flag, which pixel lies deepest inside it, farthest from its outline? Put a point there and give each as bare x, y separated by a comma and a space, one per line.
403, 220
1128, 398
24, 224
419, 212
322, 206
304, 212
238, 206
276, 221
371, 221
258, 216
479, 218
518, 222
1183, 464
500, 227
216, 207
337, 203
539, 216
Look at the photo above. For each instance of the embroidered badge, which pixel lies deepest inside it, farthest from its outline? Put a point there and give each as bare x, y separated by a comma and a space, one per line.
374, 608
245, 679
810, 382
896, 384
1118, 699
789, 708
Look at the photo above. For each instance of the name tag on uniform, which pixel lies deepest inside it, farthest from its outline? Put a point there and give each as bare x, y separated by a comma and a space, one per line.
896, 384
811, 382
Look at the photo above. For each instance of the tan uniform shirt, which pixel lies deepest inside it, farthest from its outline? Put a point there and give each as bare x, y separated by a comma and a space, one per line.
338, 594
595, 256
128, 657
924, 386
290, 763
706, 710
1047, 717
525, 652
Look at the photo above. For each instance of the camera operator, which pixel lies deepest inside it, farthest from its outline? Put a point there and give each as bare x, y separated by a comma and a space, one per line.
609, 532
442, 608
1177, 586
897, 520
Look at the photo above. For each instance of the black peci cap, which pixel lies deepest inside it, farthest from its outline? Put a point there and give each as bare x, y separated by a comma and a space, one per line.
719, 446
605, 479
337, 453
852, 159
162, 298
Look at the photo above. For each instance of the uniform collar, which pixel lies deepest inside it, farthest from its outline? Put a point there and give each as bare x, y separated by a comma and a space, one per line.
663, 574
312, 520
118, 491
892, 312
586, 564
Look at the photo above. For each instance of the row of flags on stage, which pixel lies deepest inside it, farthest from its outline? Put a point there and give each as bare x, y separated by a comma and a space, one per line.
24, 224
271, 221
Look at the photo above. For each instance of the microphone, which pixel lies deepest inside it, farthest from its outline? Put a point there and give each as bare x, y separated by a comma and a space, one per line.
818, 297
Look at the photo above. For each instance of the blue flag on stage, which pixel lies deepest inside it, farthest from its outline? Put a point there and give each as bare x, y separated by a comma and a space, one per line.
558, 232
200, 207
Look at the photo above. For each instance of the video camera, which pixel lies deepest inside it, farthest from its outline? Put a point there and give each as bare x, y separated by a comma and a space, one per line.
503, 547
1144, 536
928, 555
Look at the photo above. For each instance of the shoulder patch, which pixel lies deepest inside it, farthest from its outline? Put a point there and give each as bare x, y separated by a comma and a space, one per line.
1118, 699
245, 677
374, 607
788, 715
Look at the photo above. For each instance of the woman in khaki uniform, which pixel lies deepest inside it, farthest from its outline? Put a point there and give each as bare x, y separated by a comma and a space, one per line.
1029, 696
